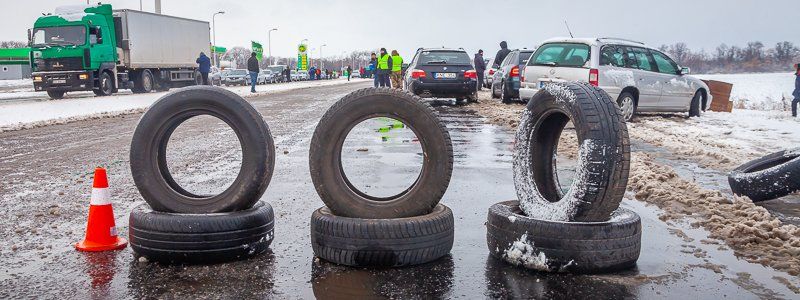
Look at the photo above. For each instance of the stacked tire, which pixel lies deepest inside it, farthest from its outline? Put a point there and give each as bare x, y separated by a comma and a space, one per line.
177, 226
583, 229
357, 229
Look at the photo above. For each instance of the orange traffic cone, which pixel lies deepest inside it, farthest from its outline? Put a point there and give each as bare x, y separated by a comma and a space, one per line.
101, 232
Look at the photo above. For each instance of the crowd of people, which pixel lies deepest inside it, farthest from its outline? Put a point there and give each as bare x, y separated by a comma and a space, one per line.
386, 70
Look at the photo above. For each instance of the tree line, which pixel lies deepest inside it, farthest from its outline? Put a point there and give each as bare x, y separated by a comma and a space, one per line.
754, 57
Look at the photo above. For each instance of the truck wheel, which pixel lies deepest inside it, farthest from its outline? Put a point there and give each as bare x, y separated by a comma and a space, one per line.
56, 94
106, 86
144, 82
603, 154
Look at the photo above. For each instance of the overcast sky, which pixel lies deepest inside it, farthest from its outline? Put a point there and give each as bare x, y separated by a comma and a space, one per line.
407, 25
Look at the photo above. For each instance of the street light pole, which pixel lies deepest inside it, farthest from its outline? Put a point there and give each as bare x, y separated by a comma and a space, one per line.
321, 63
214, 41
269, 44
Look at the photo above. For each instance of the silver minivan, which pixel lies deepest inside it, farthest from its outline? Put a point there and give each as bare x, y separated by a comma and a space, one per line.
639, 78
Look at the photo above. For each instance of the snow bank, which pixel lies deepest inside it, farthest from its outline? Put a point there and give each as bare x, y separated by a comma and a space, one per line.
16, 116
17, 83
765, 91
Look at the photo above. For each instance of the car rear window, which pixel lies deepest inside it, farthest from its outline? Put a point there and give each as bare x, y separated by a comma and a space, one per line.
444, 58
561, 54
524, 57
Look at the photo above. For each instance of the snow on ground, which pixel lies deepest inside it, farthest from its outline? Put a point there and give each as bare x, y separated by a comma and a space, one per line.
762, 91
17, 83
15, 116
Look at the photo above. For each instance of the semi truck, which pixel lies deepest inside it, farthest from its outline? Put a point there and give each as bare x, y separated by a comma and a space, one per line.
96, 48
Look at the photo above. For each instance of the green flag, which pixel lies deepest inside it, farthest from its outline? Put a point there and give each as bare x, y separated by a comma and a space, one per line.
257, 49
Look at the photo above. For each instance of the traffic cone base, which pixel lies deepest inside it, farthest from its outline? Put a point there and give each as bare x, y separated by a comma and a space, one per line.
101, 232
88, 246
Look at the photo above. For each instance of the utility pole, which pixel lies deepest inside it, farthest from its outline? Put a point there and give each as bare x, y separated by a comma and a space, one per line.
214, 41
321, 63
158, 7
269, 44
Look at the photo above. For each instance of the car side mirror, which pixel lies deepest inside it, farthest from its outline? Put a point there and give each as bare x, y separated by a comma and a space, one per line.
685, 71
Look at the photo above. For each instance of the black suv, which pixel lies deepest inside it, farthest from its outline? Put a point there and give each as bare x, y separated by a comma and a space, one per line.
443, 73
506, 80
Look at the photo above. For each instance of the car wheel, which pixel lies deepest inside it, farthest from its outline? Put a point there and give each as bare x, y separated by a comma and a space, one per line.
552, 246
694, 107
772, 176
56, 94
603, 154
627, 106
504, 97
148, 161
106, 87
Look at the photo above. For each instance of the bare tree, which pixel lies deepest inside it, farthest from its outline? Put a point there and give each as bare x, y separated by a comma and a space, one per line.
13, 44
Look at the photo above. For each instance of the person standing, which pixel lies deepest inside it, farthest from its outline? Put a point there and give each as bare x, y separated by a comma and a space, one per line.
501, 54
252, 67
796, 93
397, 70
319, 72
480, 67
204, 66
288, 74
384, 68
347, 72
373, 64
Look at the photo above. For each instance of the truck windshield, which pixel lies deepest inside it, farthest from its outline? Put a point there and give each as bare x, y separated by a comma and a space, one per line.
60, 36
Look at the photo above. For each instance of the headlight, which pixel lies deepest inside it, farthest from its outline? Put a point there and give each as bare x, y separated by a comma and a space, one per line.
37, 78
83, 76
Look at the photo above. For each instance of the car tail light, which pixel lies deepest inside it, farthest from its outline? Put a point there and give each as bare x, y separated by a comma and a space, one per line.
471, 74
491, 71
417, 74
594, 77
514, 72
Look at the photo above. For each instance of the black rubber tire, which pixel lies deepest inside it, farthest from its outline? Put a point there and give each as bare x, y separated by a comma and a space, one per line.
140, 82
332, 184
494, 95
382, 242
603, 158
201, 238
148, 151
504, 97
106, 85
56, 94
694, 108
472, 98
578, 247
772, 176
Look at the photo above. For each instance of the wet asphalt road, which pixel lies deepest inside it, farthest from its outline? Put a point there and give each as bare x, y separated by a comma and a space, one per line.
46, 185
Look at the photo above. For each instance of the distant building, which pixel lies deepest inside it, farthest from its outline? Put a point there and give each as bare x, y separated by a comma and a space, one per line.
15, 63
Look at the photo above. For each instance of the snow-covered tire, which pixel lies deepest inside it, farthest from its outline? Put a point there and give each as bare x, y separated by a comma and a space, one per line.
553, 246
148, 151
772, 176
201, 238
330, 181
382, 242
601, 174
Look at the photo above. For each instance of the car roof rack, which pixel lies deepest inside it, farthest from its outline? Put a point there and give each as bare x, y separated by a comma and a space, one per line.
620, 39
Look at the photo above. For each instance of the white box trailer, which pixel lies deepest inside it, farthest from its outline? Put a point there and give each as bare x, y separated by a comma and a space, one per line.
151, 40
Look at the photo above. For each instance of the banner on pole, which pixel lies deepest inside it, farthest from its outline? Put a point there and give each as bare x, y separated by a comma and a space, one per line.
257, 49
302, 57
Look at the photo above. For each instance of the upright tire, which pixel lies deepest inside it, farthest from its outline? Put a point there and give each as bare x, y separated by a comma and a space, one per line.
148, 151
603, 155
694, 108
382, 242
332, 184
553, 246
772, 176
201, 238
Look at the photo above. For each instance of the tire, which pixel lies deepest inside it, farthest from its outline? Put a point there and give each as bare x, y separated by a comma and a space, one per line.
552, 246
694, 107
56, 94
143, 82
772, 176
495, 95
332, 184
382, 242
201, 238
627, 106
148, 151
603, 155
504, 97
106, 85
472, 98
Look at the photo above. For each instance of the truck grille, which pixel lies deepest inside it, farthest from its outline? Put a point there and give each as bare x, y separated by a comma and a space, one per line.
59, 64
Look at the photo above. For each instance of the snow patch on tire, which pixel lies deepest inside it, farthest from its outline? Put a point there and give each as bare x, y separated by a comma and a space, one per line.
523, 253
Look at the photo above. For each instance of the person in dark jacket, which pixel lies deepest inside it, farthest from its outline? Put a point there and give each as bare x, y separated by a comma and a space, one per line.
204, 66
480, 67
501, 54
796, 93
252, 67
348, 72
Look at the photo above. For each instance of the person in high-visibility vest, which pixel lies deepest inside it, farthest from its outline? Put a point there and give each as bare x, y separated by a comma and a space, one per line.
397, 70
384, 68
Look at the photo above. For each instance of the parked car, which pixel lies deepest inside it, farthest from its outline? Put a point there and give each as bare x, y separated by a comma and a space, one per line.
489, 72
506, 79
638, 77
355, 74
266, 76
216, 76
278, 69
237, 77
442, 72
302, 75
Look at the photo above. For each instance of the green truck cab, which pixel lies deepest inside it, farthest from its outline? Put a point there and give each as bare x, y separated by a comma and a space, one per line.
96, 48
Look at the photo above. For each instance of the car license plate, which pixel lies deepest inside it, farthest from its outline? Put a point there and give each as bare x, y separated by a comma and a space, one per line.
444, 75
59, 81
